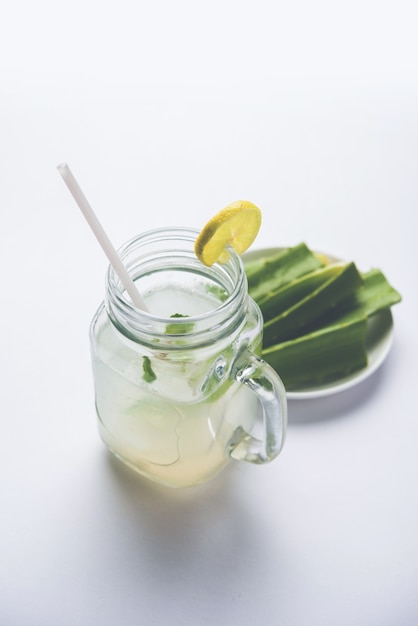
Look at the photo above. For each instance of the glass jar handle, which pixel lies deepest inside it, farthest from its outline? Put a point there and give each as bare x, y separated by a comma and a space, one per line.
261, 378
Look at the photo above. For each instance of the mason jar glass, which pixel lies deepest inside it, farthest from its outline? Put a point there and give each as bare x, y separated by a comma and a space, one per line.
179, 388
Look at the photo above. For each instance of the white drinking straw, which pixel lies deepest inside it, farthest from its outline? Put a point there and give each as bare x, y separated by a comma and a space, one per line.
101, 236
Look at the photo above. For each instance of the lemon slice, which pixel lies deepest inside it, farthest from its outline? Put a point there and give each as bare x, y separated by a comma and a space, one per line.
236, 225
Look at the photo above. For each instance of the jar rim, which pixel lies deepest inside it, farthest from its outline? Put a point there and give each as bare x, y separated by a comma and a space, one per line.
157, 244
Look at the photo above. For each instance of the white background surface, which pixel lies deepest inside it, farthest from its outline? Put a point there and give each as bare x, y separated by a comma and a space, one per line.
166, 112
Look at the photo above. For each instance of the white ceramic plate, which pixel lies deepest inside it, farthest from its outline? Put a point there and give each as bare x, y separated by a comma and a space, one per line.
379, 338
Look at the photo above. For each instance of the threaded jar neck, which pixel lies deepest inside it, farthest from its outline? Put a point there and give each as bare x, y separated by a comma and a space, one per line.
189, 303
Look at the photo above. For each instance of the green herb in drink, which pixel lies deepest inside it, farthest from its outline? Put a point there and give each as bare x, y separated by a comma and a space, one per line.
179, 328
148, 375
219, 292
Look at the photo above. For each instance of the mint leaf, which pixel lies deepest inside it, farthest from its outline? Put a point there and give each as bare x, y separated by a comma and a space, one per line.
149, 374
179, 329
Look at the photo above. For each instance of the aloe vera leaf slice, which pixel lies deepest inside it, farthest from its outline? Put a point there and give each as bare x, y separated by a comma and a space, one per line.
375, 295
293, 322
321, 356
275, 302
255, 265
272, 272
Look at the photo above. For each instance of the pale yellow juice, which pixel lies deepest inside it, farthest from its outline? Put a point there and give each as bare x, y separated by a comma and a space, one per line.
174, 414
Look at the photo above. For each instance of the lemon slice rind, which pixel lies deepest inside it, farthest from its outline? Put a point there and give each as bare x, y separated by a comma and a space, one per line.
235, 226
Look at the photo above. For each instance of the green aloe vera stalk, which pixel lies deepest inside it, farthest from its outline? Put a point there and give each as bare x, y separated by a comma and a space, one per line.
375, 295
276, 302
321, 356
315, 315
273, 271
294, 321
